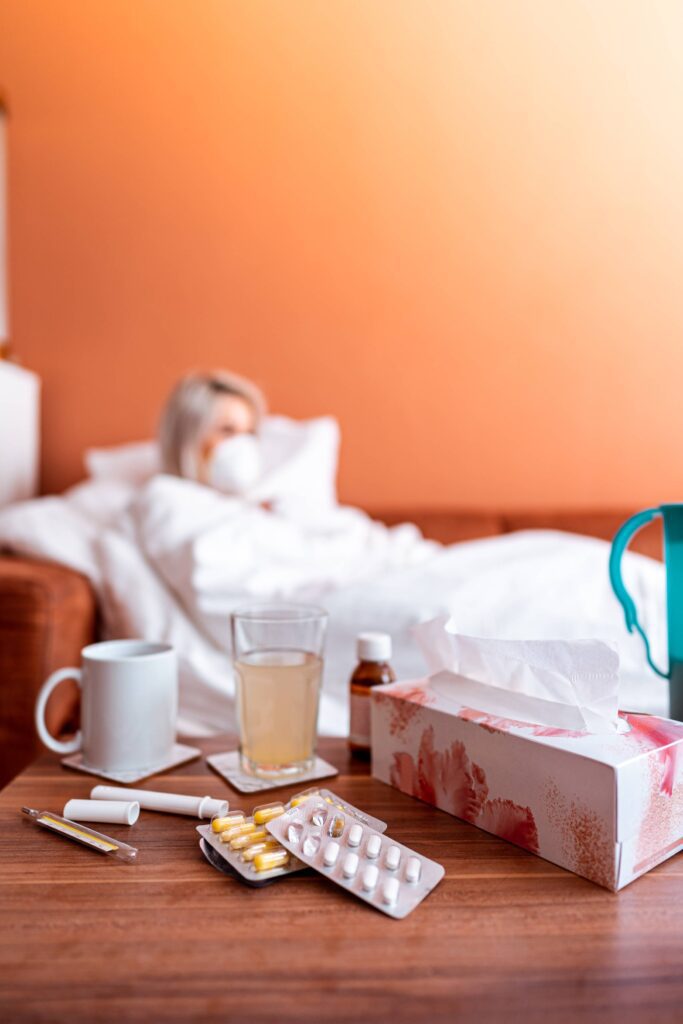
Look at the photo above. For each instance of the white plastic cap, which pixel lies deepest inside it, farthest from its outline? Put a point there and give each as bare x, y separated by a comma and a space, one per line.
373, 646
116, 812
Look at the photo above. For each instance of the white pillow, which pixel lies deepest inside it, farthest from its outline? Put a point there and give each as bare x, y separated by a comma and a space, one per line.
300, 463
127, 463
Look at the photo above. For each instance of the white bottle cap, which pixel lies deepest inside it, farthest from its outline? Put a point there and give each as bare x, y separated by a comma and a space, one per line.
373, 646
116, 812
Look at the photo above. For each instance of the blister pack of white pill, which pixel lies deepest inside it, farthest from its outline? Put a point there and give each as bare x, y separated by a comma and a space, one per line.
242, 842
374, 867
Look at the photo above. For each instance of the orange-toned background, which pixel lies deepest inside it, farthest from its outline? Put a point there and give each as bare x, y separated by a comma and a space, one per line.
457, 226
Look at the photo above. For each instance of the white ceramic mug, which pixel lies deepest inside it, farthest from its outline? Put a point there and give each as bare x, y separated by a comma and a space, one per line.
129, 705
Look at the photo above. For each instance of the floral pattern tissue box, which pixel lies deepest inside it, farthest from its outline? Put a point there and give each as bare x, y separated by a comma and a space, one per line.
608, 807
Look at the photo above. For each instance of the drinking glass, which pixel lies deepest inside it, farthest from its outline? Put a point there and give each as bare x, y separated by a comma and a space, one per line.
277, 652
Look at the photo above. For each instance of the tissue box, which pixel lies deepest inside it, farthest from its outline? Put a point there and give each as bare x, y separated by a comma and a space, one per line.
607, 807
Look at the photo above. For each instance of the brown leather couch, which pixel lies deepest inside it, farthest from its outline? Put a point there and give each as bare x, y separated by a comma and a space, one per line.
48, 613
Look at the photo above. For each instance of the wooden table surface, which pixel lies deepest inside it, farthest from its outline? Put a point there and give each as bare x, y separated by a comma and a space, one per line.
505, 936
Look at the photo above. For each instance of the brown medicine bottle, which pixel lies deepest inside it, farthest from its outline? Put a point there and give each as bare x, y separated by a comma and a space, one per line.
373, 669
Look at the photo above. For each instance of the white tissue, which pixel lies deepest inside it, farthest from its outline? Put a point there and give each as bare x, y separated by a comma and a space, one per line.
563, 684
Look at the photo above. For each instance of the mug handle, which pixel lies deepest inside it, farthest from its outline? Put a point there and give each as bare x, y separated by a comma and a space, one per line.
619, 545
59, 746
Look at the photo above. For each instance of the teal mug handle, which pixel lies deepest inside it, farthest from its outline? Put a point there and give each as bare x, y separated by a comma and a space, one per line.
619, 545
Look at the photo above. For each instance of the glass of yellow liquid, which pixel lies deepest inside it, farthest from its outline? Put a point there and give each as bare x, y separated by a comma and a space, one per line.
277, 652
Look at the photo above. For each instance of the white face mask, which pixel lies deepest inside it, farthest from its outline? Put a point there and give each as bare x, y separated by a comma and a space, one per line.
235, 464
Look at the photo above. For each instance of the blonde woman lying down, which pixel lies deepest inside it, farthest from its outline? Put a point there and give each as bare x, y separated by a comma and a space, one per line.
233, 505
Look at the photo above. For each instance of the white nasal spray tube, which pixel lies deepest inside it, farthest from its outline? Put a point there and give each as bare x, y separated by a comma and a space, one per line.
168, 803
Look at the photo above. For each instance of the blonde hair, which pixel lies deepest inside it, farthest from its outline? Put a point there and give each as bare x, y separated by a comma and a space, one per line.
189, 409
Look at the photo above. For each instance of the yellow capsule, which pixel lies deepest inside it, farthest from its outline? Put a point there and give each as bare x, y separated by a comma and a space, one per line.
237, 830
327, 799
220, 824
265, 846
270, 859
267, 812
239, 842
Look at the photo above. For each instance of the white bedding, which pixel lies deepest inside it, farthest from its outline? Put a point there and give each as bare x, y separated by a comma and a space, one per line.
170, 559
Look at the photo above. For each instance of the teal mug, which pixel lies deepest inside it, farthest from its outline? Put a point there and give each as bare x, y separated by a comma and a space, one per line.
672, 515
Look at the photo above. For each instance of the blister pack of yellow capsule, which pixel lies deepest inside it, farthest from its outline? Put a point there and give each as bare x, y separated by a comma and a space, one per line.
238, 843
387, 875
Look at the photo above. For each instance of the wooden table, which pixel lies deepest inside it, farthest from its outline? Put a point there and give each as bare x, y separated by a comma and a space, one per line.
505, 936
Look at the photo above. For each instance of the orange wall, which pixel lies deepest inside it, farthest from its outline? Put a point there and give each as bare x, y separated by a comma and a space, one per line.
456, 225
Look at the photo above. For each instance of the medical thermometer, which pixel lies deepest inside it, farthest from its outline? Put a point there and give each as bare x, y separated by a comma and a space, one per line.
81, 834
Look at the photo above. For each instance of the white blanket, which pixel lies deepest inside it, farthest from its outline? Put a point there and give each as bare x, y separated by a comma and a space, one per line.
170, 559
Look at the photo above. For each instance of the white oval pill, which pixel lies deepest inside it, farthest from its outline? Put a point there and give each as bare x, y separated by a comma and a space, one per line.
393, 858
390, 891
355, 835
373, 847
413, 869
369, 877
350, 865
330, 855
